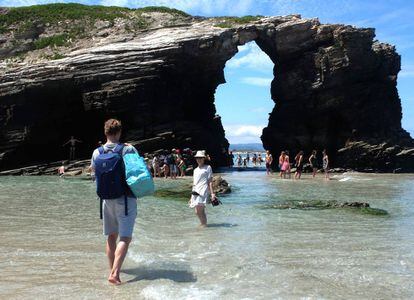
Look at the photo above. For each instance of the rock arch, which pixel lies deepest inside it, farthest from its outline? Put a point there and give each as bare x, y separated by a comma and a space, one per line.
334, 86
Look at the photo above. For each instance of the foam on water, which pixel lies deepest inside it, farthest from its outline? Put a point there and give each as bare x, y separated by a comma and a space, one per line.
52, 245
167, 291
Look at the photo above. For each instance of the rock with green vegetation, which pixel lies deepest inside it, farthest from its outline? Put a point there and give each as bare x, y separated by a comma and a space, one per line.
173, 194
64, 68
220, 187
360, 207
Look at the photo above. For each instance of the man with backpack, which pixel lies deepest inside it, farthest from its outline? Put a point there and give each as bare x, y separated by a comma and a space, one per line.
118, 203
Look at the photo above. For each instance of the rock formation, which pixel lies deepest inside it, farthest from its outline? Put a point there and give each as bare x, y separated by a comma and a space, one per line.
334, 87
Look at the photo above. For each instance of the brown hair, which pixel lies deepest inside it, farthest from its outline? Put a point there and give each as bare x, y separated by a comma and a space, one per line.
112, 127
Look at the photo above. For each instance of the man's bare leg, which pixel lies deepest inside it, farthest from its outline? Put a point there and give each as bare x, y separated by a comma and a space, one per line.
120, 253
110, 248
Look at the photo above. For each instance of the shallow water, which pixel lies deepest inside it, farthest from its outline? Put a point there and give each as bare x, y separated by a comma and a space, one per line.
51, 244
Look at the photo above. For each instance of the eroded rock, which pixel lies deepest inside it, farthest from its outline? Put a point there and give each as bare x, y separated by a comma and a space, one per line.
333, 84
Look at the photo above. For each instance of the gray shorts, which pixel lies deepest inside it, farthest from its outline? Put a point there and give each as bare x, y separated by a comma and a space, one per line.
114, 218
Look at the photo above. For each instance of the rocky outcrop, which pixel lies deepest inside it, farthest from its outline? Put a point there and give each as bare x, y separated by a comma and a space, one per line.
221, 186
361, 207
333, 84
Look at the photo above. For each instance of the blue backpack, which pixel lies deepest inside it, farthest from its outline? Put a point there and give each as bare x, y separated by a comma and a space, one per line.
110, 175
138, 177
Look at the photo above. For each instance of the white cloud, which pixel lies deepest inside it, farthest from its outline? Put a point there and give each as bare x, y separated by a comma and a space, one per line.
11, 3
237, 134
407, 71
254, 59
122, 3
257, 81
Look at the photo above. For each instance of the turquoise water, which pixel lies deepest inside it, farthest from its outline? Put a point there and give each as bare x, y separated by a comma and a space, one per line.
51, 244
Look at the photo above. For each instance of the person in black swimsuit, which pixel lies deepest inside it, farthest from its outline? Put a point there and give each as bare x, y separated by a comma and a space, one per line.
313, 162
299, 164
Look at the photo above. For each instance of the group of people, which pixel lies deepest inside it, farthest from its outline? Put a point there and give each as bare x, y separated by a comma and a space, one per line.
171, 164
285, 165
256, 160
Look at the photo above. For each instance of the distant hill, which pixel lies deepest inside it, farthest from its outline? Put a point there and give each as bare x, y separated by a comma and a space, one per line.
247, 147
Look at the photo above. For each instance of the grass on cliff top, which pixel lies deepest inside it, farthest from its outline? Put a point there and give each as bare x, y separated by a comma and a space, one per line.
227, 22
54, 13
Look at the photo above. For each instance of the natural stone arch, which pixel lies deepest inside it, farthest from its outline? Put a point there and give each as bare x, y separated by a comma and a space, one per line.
161, 83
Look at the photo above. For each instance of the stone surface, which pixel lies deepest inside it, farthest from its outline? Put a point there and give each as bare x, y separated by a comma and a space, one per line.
221, 186
333, 85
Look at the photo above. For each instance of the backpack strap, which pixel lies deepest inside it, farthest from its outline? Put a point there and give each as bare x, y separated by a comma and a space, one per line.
100, 208
119, 149
101, 150
126, 205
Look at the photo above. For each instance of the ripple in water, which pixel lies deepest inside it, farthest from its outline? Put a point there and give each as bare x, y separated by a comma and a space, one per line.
51, 241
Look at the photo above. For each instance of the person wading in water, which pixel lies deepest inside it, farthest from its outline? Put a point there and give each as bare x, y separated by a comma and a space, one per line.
269, 160
202, 187
314, 163
118, 214
299, 164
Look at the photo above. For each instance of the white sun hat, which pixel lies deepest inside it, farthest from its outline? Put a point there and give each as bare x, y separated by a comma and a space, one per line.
200, 153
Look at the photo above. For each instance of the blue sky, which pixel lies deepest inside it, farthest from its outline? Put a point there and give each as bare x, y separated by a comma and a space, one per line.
244, 101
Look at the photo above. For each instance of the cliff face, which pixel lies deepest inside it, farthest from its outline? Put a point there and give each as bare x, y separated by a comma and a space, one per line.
333, 87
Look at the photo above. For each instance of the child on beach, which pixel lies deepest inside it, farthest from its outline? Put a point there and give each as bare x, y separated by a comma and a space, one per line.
202, 187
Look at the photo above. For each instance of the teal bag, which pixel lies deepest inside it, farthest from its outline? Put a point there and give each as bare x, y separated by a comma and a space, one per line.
137, 175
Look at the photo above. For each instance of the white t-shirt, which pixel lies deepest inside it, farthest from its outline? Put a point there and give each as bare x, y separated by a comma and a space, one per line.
110, 146
201, 178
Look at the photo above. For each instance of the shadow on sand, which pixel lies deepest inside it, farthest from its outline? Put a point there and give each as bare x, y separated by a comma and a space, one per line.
213, 225
173, 272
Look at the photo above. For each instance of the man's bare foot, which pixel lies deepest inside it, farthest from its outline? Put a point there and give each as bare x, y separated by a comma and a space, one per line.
202, 225
114, 280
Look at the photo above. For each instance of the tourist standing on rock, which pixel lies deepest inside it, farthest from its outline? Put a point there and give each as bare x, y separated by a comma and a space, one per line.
314, 163
281, 161
325, 164
119, 213
72, 142
202, 187
254, 159
248, 158
299, 165
269, 160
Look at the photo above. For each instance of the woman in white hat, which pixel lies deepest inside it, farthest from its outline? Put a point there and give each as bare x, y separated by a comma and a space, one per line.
202, 187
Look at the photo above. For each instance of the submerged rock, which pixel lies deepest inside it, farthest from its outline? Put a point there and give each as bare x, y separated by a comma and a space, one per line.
221, 186
362, 207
